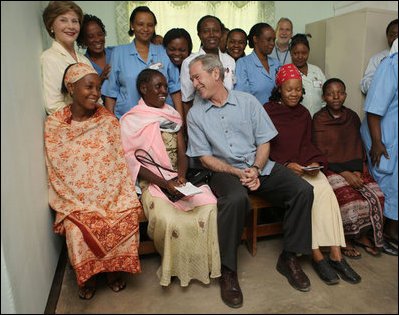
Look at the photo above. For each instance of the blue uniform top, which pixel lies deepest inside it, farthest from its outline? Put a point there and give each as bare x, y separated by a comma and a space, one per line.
231, 132
382, 100
126, 64
108, 52
253, 78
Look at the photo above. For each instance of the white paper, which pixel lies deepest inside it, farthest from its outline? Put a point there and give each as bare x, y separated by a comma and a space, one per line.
189, 189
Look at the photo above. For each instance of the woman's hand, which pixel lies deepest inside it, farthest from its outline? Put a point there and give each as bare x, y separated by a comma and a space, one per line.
181, 181
353, 178
104, 74
377, 149
313, 172
296, 168
171, 185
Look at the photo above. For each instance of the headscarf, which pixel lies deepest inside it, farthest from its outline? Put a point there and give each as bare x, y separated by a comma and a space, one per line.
77, 71
286, 72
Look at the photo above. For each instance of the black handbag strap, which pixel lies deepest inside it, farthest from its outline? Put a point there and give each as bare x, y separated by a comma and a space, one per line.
148, 160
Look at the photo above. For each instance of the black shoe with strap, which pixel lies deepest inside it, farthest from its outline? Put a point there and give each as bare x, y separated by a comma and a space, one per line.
345, 271
325, 272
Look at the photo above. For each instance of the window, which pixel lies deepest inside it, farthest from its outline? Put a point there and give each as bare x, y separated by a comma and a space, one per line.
186, 14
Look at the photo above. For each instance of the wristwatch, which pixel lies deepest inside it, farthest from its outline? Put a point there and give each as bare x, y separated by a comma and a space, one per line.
258, 168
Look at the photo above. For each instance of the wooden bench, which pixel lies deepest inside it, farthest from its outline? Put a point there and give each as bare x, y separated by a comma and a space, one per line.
252, 231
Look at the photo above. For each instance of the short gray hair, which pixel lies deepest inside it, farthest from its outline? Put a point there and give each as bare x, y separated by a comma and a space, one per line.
209, 62
284, 19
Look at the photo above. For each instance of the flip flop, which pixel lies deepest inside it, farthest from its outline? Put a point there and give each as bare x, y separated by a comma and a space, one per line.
345, 252
367, 249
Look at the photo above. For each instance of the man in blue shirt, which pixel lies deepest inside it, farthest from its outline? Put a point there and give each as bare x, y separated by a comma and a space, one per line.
229, 131
281, 50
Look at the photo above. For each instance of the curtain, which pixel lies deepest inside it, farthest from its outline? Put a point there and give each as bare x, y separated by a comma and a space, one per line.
186, 14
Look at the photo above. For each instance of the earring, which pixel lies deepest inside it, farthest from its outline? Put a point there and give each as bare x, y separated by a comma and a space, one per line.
52, 32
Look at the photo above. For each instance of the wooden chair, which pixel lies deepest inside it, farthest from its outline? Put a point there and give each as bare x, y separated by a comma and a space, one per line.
252, 230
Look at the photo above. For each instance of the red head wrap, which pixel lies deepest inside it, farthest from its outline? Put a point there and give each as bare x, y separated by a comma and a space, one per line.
287, 72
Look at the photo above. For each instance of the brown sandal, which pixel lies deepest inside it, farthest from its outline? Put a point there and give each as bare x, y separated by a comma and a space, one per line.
368, 249
348, 251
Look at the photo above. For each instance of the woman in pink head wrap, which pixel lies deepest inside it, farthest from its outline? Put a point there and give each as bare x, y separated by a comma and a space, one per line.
89, 185
293, 148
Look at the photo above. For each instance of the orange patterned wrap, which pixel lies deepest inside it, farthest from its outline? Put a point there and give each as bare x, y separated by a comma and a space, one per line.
92, 193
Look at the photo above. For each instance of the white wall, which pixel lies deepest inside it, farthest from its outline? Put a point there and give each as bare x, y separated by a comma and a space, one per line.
105, 10
303, 12
342, 7
30, 249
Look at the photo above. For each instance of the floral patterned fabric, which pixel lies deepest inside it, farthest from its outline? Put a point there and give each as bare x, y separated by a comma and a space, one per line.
92, 193
362, 208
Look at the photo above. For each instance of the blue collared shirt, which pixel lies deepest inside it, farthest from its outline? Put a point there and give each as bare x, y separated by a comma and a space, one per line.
126, 64
253, 78
231, 132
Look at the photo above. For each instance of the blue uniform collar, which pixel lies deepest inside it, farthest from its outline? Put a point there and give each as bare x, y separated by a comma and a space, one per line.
257, 62
133, 51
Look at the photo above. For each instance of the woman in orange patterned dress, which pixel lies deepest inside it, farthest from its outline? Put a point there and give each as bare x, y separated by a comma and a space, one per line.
89, 185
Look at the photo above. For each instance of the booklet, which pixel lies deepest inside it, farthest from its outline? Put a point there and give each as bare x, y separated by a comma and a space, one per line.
189, 189
312, 168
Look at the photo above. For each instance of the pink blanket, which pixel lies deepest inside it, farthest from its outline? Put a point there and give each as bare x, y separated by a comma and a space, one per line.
140, 129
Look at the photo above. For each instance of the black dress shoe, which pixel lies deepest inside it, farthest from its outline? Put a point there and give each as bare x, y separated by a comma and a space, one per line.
345, 271
230, 289
290, 268
388, 249
325, 272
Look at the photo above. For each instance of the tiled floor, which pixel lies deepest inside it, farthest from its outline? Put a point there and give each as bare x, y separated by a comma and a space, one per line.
264, 289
